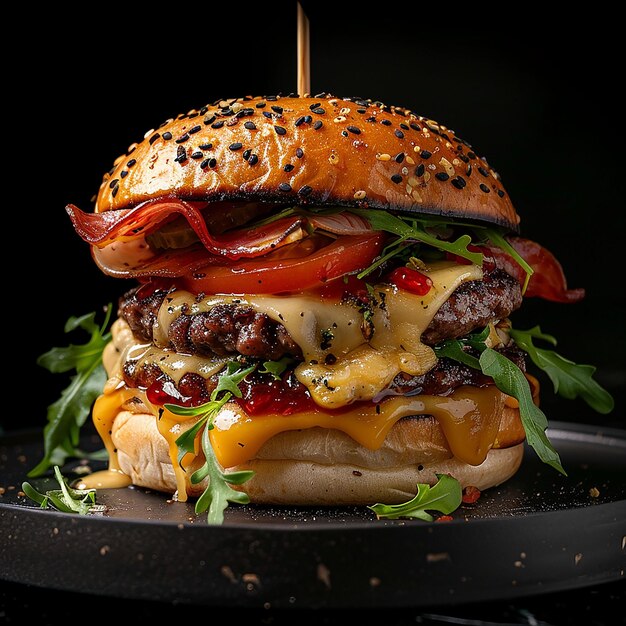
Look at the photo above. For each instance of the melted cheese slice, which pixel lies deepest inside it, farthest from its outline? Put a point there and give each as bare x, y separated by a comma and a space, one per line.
469, 418
342, 366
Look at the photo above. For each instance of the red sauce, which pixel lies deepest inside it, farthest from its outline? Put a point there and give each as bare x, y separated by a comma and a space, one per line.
411, 280
164, 391
264, 394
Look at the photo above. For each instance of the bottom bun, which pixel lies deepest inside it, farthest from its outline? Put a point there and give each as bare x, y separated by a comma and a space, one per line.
350, 474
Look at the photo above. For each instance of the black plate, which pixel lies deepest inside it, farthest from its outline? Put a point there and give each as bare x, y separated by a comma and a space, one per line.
538, 533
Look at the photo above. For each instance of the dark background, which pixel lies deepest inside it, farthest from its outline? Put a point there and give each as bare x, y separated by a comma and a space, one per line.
536, 95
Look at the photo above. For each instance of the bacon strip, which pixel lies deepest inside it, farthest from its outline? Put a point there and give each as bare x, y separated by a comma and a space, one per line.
102, 229
548, 281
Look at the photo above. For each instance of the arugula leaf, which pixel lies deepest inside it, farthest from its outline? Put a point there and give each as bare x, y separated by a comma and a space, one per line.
411, 230
218, 492
501, 242
277, 368
569, 379
444, 496
68, 414
511, 380
65, 499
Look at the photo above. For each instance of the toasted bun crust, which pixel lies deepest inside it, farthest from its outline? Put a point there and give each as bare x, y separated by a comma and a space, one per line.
322, 466
336, 151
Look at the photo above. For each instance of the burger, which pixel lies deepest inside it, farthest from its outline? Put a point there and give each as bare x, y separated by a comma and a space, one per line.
319, 307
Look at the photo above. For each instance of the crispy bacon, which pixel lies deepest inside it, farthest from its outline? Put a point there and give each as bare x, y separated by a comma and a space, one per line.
119, 225
548, 280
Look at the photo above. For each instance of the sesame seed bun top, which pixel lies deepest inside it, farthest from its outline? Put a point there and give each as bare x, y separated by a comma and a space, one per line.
315, 151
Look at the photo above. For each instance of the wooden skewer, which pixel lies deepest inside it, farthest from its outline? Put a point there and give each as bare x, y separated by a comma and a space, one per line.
304, 66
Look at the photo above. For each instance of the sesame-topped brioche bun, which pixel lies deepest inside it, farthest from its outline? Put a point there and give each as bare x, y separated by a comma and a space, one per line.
271, 149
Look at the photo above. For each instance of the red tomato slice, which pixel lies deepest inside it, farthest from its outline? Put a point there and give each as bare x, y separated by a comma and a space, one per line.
296, 267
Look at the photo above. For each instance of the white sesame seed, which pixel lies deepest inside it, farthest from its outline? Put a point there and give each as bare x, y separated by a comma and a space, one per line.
359, 195
410, 161
383, 157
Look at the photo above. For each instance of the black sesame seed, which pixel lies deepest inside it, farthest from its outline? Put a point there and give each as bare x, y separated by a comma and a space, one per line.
217, 124
459, 182
344, 133
299, 121
280, 130
385, 122
197, 155
399, 134
268, 114
204, 164
260, 105
194, 130
277, 109
415, 126
253, 160
308, 119
123, 173
203, 110
154, 138
183, 138
318, 125
131, 163
167, 135
284, 187
404, 126
471, 155
361, 111
426, 154
396, 178
288, 167
305, 190
181, 154
463, 158
114, 192
483, 171
114, 183
299, 152
419, 170
354, 130
500, 193
246, 154
250, 125
235, 146
468, 171
212, 162
441, 176
205, 146
319, 110
209, 119
399, 157
314, 106
371, 119
484, 188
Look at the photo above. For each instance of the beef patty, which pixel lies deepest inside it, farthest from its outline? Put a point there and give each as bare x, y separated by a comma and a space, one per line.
231, 329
